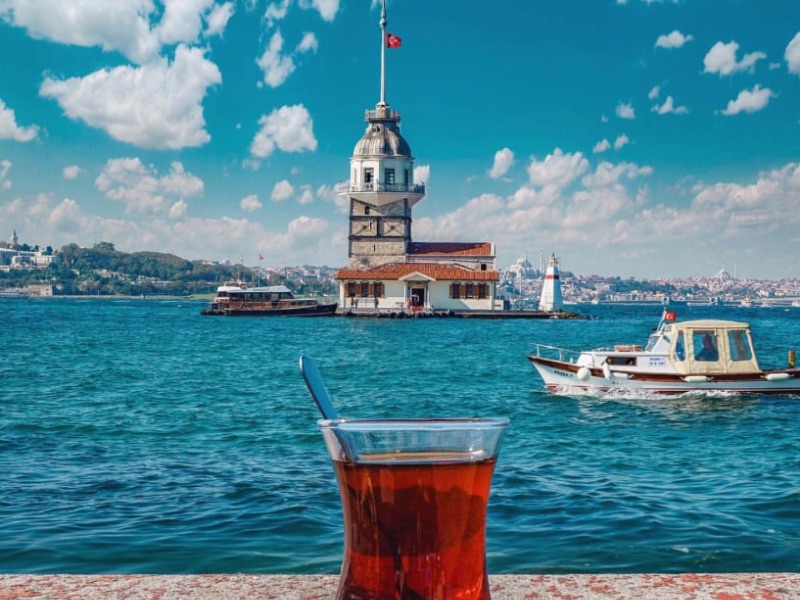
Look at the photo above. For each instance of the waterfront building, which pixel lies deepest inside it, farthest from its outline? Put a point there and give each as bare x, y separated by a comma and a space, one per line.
13, 257
386, 269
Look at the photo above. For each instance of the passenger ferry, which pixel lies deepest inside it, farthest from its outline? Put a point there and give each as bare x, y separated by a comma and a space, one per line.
236, 299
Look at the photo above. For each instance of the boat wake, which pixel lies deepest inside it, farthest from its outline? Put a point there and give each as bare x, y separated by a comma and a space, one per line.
638, 394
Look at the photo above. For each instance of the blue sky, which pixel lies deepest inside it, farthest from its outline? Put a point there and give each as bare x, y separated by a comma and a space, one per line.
639, 138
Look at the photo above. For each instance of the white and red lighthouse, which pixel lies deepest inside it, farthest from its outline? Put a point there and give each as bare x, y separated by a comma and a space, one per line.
551, 300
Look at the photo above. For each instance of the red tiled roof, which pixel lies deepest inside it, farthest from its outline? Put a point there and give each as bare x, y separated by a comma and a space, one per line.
433, 270
451, 248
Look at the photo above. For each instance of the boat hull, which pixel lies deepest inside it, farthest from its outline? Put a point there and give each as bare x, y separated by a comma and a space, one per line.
561, 376
304, 310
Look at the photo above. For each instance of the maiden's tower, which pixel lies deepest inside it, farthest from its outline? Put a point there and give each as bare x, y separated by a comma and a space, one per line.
386, 269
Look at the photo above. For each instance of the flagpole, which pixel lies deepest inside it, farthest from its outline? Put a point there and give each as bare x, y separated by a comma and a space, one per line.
383, 55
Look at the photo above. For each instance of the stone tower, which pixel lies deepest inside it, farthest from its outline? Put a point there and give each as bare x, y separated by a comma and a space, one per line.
381, 189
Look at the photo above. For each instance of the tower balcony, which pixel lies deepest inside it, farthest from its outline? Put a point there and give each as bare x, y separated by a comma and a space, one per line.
381, 194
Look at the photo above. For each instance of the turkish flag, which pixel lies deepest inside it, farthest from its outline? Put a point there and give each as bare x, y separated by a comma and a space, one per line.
392, 41
669, 316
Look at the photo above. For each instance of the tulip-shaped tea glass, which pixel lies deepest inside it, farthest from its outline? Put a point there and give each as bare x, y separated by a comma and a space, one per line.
414, 496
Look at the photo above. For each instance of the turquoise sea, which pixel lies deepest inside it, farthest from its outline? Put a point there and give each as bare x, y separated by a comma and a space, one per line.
138, 437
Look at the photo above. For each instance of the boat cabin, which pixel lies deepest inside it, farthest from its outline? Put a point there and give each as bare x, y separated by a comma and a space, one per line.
711, 346
273, 293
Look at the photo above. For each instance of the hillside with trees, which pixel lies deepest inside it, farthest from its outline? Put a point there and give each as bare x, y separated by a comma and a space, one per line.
104, 270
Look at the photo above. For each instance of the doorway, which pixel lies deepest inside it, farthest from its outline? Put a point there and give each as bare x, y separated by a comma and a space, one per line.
417, 296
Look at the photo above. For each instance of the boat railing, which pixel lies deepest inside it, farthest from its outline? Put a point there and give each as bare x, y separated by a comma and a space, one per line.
555, 353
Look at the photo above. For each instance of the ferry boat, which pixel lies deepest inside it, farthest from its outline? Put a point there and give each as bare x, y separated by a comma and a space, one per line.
680, 357
236, 299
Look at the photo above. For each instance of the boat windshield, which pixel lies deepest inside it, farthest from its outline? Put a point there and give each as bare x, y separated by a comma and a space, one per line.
653, 341
740, 345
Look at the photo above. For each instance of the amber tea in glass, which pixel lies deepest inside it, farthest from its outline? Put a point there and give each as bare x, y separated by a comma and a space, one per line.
414, 497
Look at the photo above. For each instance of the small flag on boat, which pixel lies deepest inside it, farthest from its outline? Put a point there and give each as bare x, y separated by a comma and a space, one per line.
669, 315
392, 41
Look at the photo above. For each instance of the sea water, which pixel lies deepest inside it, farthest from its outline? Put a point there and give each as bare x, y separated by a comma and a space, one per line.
137, 436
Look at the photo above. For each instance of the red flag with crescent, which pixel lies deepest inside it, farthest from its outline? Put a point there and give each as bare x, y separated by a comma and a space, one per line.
392, 41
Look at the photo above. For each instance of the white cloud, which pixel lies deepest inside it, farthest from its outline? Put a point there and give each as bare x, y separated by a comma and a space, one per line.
601, 146
621, 141
653, 94
669, 107
5, 167
301, 241
9, 130
625, 111
607, 174
503, 160
288, 128
309, 43
155, 106
182, 21
125, 26
327, 9
422, 173
673, 40
609, 224
250, 203
792, 55
71, 172
276, 66
281, 191
140, 188
276, 11
722, 59
306, 195
749, 101
122, 25
557, 169
178, 209
217, 19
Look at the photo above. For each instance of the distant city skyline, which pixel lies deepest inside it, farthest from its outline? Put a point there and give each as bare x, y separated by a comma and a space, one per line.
639, 138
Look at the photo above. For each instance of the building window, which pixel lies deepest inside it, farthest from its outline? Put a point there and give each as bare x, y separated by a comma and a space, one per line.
455, 290
366, 210
351, 289
405, 177
483, 266
378, 289
369, 175
470, 290
482, 291
389, 176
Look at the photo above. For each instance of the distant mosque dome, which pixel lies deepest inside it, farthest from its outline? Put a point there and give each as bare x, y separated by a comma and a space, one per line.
722, 274
522, 268
382, 137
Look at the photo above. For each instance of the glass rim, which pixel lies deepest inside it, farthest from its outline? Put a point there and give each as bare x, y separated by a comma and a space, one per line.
415, 424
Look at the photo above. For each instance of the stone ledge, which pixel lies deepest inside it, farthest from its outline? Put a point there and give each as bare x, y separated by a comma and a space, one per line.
687, 586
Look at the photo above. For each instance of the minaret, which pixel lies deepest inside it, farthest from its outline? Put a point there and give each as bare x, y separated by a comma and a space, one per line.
14, 240
381, 189
551, 300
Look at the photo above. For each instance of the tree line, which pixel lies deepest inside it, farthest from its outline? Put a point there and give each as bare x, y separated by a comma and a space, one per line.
104, 270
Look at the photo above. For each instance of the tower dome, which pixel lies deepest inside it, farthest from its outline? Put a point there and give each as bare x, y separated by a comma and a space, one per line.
382, 136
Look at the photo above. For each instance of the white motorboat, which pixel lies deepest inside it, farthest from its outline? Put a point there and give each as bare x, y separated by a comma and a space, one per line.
680, 357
